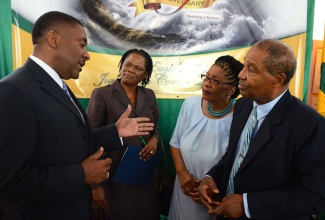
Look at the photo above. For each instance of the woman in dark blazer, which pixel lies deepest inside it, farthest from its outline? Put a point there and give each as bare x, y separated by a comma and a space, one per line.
119, 200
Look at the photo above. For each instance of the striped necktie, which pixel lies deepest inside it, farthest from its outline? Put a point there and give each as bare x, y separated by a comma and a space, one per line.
66, 91
250, 131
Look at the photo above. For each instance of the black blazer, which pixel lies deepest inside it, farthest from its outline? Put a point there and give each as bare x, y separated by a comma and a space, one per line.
43, 141
283, 172
107, 103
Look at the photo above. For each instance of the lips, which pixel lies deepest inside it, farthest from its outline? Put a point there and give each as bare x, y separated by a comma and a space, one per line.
205, 92
82, 64
128, 75
241, 86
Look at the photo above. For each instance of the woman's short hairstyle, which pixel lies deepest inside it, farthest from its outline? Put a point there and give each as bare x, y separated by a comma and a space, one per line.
232, 68
148, 61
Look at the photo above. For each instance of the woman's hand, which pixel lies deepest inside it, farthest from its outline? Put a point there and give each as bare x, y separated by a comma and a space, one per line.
189, 184
196, 197
149, 149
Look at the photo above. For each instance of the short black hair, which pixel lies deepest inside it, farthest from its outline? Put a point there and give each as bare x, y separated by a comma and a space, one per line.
50, 20
147, 58
280, 59
232, 68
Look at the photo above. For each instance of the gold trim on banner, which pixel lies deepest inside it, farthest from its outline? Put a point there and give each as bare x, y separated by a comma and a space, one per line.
175, 77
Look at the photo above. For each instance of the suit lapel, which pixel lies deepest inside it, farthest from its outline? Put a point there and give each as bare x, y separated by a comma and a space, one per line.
241, 114
123, 98
264, 134
141, 100
53, 89
120, 93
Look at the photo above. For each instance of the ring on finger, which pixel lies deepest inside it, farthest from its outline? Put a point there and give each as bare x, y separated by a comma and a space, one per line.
151, 152
107, 175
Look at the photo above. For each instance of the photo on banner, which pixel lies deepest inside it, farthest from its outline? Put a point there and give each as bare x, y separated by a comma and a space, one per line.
184, 37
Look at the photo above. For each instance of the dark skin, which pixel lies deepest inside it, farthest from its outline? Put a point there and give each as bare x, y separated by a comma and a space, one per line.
133, 70
256, 83
217, 95
63, 48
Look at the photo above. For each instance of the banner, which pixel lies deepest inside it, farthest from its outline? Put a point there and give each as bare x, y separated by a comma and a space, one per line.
321, 93
184, 37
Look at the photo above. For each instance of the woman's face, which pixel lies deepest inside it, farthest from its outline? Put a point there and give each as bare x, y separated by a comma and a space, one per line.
220, 92
133, 69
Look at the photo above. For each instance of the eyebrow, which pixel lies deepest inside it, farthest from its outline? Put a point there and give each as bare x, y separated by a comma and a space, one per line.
134, 64
83, 39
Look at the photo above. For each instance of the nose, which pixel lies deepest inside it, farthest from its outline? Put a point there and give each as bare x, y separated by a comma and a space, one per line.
131, 68
242, 74
86, 55
207, 82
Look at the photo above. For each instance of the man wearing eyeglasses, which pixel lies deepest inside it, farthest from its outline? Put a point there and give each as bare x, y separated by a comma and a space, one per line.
274, 167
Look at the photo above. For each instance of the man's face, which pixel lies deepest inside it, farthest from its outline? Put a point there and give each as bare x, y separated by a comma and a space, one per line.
255, 82
72, 53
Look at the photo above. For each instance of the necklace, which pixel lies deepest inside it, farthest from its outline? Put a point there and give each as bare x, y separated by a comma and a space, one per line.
222, 113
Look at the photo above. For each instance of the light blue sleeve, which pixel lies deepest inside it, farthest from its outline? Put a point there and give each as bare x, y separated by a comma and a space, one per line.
180, 125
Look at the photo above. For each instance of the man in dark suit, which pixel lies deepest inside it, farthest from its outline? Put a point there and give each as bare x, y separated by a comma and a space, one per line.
49, 154
282, 174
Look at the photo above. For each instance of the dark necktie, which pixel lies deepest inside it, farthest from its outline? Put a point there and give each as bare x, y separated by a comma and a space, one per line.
66, 91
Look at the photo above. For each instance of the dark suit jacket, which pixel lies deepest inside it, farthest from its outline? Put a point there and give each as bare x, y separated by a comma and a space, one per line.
108, 103
283, 172
43, 141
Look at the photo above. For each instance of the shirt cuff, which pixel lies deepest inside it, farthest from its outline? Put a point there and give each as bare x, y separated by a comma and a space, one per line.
247, 213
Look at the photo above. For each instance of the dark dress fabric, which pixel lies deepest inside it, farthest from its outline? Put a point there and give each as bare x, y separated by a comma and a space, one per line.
126, 201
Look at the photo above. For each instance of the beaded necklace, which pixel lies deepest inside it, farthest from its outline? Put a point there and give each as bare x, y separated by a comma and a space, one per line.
222, 113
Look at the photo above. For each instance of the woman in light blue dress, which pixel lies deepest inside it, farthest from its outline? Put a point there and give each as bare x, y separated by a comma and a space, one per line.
201, 137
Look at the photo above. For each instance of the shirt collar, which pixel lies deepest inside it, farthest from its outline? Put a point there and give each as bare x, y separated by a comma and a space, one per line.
263, 110
54, 75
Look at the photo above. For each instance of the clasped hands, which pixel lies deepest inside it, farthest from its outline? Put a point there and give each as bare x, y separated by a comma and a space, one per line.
189, 185
231, 206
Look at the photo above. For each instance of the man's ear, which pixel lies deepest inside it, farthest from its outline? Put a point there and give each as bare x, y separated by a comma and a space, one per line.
52, 37
279, 80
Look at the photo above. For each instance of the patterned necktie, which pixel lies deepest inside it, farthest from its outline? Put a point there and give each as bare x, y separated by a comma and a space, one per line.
66, 91
250, 131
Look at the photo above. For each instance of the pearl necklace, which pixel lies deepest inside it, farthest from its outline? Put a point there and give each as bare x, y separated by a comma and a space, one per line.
222, 113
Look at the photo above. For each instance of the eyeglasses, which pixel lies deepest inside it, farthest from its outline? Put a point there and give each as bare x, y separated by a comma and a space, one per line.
214, 81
